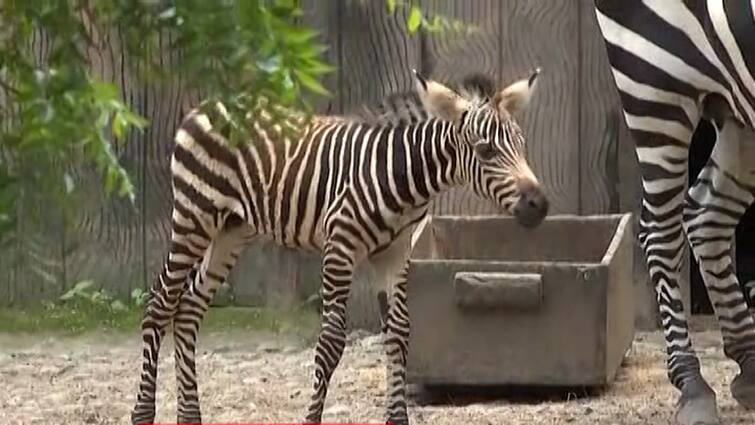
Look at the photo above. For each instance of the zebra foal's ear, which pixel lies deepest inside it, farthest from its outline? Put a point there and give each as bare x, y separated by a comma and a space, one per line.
438, 100
515, 98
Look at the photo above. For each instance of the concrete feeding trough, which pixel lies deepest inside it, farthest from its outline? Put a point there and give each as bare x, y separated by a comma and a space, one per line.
493, 303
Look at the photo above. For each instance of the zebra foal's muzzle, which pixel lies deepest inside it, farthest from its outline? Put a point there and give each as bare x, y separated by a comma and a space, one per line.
532, 206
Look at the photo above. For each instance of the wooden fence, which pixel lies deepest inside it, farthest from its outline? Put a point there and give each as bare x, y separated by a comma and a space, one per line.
576, 138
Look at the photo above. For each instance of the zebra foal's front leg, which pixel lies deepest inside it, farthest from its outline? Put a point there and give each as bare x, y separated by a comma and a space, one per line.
337, 274
720, 196
217, 263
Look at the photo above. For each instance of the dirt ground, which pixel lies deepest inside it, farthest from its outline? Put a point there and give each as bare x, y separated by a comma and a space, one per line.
252, 377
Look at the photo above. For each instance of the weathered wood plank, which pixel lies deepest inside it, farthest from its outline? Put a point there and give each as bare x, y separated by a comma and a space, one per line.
6, 251
377, 54
455, 55
40, 229
33, 267
602, 127
105, 241
545, 33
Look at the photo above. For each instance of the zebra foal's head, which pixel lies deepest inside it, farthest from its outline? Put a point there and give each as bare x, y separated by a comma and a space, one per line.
491, 144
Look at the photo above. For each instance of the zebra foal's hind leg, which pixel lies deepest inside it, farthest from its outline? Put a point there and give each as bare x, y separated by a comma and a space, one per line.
390, 270
189, 241
715, 203
217, 263
337, 274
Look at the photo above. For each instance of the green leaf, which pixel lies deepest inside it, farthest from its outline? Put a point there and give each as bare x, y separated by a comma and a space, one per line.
110, 178
271, 64
69, 184
104, 91
167, 13
391, 6
118, 305
299, 35
79, 288
414, 19
139, 296
119, 126
83, 285
311, 83
318, 67
134, 119
126, 188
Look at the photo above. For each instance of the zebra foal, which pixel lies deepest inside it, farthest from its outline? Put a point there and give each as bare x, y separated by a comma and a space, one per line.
676, 62
349, 189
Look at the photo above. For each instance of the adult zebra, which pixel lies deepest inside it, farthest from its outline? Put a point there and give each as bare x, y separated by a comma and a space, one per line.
677, 62
349, 189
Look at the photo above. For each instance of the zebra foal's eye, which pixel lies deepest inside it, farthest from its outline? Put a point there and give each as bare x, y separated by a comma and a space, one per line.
484, 149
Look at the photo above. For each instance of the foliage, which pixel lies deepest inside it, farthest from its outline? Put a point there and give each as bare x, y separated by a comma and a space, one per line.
80, 309
83, 294
417, 19
53, 112
57, 116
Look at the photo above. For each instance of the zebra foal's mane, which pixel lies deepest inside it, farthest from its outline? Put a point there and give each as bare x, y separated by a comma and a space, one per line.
405, 107
395, 109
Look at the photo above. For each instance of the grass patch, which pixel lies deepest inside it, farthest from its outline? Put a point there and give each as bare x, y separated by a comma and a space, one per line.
67, 319
302, 322
83, 309
76, 319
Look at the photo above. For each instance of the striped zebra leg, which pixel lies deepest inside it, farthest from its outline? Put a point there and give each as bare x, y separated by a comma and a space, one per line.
391, 267
188, 244
663, 166
397, 347
337, 274
714, 205
220, 258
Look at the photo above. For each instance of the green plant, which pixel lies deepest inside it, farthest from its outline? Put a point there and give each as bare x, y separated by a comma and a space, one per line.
417, 19
82, 293
58, 117
139, 297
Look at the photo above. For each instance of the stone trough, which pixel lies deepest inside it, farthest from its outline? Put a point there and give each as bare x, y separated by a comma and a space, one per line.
493, 303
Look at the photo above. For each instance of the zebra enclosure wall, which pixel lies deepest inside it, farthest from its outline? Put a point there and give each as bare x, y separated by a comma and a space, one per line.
578, 143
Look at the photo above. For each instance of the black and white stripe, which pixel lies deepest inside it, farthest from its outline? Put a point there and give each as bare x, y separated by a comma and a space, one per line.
676, 62
347, 188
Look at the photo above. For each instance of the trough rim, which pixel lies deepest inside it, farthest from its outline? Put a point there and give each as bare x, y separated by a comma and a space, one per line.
623, 220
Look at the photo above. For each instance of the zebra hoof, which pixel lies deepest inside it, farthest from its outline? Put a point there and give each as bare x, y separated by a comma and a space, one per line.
142, 418
398, 421
190, 419
313, 419
697, 405
743, 390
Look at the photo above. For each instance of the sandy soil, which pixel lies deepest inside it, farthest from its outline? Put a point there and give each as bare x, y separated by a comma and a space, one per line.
251, 377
